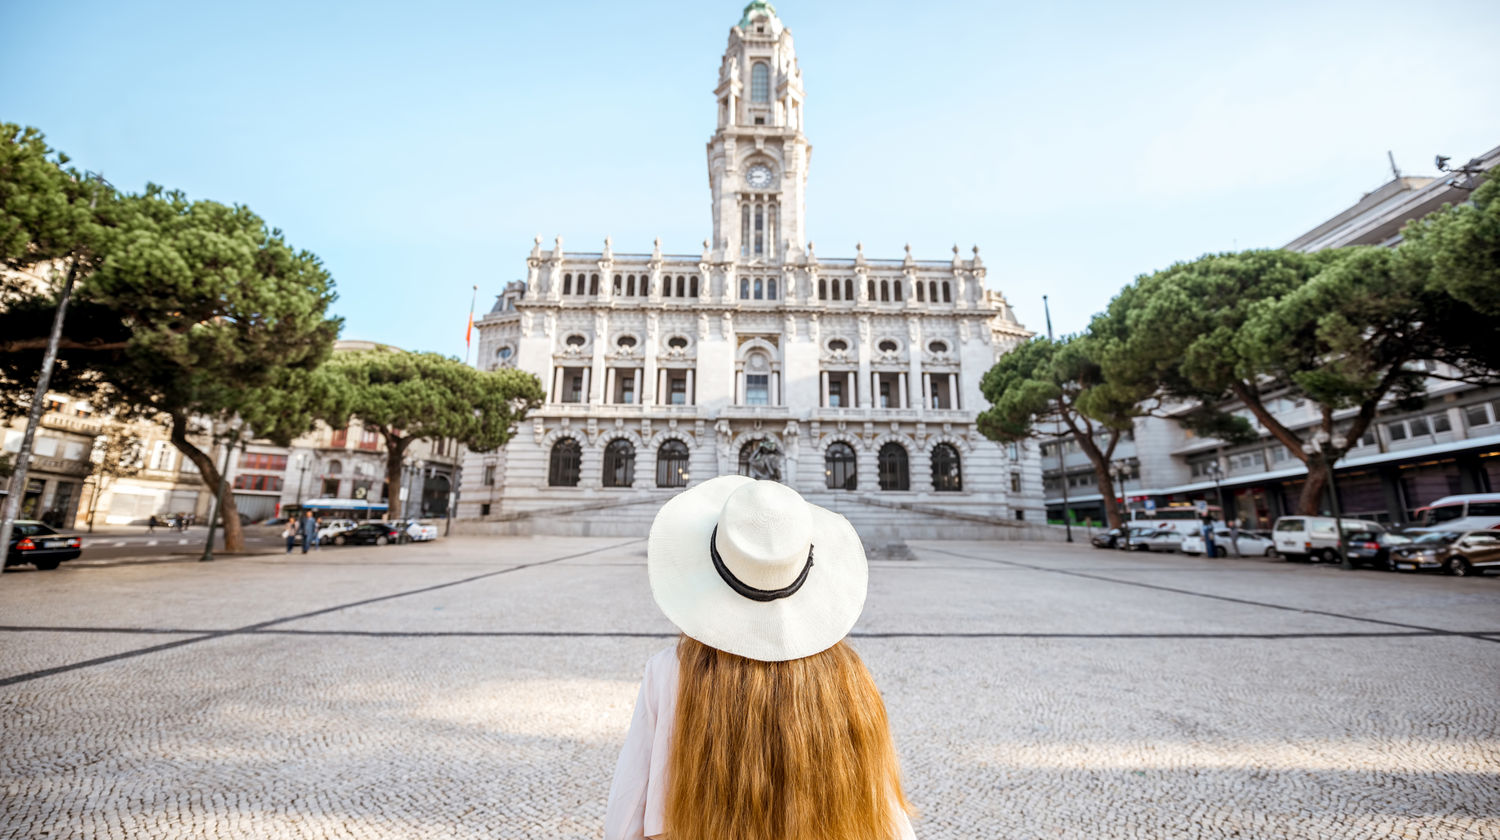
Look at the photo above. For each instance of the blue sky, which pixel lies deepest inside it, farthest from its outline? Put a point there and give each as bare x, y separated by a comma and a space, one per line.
418, 147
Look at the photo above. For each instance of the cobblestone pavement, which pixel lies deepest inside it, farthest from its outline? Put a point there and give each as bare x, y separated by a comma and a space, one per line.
481, 688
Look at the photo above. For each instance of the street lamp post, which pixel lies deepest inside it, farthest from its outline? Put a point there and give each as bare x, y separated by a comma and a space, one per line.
305, 459
1217, 472
1319, 446
1122, 472
1062, 464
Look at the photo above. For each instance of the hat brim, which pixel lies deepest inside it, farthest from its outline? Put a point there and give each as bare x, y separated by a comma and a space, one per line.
691, 594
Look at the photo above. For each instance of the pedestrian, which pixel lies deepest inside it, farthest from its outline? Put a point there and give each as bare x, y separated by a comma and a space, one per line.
151, 524
1234, 536
763, 587
290, 532
1209, 549
309, 531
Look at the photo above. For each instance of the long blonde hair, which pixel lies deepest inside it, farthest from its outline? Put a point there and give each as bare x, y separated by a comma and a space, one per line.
780, 750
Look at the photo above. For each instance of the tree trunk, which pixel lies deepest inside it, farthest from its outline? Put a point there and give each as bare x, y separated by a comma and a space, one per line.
234, 534
1107, 490
1311, 500
395, 454
1100, 460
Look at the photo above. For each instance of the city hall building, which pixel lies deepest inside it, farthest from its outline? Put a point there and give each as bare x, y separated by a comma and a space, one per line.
853, 380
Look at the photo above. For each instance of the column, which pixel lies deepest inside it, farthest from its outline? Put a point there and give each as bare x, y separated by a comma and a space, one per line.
824, 377
953, 390
874, 401
690, 398
901, 388
588, 379
926, 390
739, 387
609, 385
662, 395
557, 383
774, 398
850, 396
635, 386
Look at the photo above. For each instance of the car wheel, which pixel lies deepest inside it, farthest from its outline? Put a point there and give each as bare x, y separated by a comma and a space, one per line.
381, 540
1271, 553
47, 565
1221, 551
1459, 567
339, 540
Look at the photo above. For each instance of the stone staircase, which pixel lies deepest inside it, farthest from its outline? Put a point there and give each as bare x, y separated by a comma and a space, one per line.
880, 522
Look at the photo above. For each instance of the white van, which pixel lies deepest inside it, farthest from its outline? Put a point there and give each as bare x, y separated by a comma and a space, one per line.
1312, 537
1469, 512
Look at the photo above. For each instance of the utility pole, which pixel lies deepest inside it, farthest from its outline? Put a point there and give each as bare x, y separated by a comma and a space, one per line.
12, 506
1062, 463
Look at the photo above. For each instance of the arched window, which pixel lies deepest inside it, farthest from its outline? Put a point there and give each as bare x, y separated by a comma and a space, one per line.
932, 291
694, 283
682, 286
567, 284
593, 284
619, 463
839, 467
760, 82
335, 467
760, 289
822, 289
619, 285
947, 292
837, 295
562, 470
894, 474
870, 284
920, 296
946, 474
630, 285
672, 464
896, 290
771, 289
885, 291
744, 288
848, 289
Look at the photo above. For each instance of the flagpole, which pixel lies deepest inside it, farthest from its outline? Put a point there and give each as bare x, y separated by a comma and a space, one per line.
468, 333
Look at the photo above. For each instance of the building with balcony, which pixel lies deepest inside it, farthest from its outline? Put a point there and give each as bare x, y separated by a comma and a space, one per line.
663, 369
1405, 460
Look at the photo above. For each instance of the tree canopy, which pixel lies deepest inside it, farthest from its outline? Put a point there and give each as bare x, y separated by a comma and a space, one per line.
412, 396
1061, 385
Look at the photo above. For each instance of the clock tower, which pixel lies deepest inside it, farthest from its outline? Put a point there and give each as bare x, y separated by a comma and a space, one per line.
757, 160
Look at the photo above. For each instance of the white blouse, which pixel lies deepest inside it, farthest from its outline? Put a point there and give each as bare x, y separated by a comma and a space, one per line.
637, 798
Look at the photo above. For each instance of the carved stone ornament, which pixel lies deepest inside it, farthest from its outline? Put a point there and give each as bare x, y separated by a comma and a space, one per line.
702, 326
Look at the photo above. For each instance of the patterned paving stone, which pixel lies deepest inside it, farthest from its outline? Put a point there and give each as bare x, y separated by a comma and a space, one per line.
1036, 691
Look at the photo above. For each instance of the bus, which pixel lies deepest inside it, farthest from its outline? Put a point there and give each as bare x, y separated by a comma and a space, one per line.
1183, 518
356, 509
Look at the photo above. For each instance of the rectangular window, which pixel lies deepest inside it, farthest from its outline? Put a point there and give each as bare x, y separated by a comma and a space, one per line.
575, 388
1418, 426
885, 394
1441, 423
1478, 415
489, 475
678, 391
1397, 431
484, 509
340, 438
757, 389
1015, 482
627, 387
835, 394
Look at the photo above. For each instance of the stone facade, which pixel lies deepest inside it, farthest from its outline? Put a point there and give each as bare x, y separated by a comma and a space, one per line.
666, 369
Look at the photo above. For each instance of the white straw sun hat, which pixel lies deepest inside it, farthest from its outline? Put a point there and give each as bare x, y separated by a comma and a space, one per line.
751, 568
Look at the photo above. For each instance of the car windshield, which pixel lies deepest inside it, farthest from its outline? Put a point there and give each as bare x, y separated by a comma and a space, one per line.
1437, 537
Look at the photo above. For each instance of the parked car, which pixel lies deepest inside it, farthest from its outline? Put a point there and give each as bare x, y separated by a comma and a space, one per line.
41, 546
1106, 539
1159, 539
1312, 537
376, 533
1251, 543
335, 526
1467, 512
1474, 553
1373, 548
417, 531
1134, 538
1427, 551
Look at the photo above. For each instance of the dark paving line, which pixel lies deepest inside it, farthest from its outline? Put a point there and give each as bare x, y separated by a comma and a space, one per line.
1227, 598
625, 634
260, 625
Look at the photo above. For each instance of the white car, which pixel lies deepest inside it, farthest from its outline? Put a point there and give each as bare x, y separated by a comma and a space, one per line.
1312, 537
1469, 512
421, 531
1251, 544
334, 526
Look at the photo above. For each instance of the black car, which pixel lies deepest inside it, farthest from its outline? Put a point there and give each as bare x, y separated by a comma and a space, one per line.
38, 544
1428, 551
1106, 539
1373, 548
370, 533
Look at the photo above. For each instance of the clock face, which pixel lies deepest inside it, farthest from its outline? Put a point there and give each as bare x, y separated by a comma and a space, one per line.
759, 176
